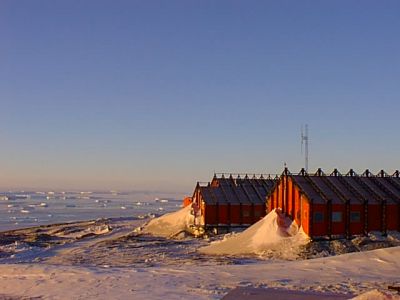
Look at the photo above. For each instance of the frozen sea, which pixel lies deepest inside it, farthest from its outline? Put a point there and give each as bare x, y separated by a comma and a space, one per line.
21, 209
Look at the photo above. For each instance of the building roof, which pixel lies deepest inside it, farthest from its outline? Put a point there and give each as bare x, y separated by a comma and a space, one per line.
352, 187
237, 190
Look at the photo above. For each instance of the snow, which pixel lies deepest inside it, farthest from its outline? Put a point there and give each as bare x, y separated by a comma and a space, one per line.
171, 224
91, 230
355, 273
49, 273
375, 295
273, 233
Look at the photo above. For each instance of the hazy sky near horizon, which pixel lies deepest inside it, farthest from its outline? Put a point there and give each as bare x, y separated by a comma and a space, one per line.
160, 94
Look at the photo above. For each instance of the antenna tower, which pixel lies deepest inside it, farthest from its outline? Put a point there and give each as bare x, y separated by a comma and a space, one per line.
304, 141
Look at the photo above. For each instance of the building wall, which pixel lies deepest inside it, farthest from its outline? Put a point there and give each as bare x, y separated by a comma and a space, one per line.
374, 217
247, 214
235, 214
259, 212
289, 199
297, 205
223, 214
320, 220
393, 216
290, 210
210, 214
357, 226
338, 216
272, 200
280, 196
305, 215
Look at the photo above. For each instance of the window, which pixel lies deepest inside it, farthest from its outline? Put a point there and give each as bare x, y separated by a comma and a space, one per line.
336, 216
355, 217
246, 213
318, 217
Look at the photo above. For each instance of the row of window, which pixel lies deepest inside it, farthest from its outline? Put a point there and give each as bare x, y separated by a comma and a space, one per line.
337, 217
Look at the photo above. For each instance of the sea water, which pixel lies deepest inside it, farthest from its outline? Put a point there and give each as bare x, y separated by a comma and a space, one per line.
21, 209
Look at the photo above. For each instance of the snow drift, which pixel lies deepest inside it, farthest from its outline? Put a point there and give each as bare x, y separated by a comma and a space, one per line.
376, 295
275, 233
171, 224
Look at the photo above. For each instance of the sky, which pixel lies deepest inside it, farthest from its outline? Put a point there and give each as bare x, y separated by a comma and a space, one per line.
157, 95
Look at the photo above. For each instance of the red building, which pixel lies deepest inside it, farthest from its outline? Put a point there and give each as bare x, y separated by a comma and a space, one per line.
229, 202
336, 205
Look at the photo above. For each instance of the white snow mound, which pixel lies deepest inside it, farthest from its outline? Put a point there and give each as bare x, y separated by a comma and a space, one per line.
275, 233
376, 295
171, 224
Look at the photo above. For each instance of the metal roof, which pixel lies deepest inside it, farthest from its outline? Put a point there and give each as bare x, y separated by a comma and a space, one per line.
338, 188
236, 191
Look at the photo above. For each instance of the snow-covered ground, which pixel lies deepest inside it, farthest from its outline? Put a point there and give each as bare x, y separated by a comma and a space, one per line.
107, 259
355, 273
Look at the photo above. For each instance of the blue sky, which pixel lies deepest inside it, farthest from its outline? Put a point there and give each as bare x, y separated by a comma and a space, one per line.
160, 94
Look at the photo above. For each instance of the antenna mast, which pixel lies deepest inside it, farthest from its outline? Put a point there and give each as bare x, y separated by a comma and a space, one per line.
304, 140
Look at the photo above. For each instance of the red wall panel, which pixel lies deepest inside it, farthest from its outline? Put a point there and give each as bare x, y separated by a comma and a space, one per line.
223, 214
339, 228
374, 217
319, 228
357, 228
247, 214
305, 215
235, 213
392, 216
297, 207
259, 212
289, 202
210, 215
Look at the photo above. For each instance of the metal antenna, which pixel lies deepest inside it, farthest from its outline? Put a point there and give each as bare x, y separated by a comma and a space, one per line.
304, 140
